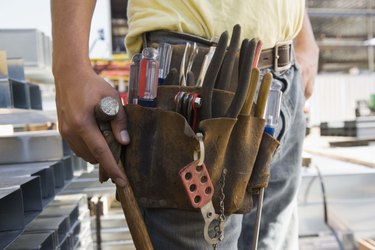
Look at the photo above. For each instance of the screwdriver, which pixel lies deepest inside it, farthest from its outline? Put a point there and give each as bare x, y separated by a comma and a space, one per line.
133, 79
273, 108
165, 55
148, 77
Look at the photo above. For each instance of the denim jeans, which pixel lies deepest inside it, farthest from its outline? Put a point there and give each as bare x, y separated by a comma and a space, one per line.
181, 229
279, 224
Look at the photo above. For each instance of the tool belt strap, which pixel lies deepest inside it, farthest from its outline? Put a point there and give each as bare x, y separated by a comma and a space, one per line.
279, 58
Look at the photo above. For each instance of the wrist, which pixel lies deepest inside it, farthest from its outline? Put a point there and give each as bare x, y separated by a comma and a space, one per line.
63, 66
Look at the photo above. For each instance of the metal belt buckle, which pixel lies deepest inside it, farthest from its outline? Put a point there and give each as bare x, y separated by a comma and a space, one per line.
276, 58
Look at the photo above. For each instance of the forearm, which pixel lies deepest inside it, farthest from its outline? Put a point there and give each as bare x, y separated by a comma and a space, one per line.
307, 55
305, 39
79, 89
71, 21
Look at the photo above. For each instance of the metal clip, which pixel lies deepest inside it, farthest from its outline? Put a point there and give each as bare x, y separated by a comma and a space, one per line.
200, 151
211, 222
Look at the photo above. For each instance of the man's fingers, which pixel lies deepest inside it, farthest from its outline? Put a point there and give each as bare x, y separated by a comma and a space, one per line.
81, 150
77, 145
119, 127
100, 150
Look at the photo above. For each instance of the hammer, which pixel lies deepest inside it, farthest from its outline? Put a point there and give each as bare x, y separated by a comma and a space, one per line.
105, 111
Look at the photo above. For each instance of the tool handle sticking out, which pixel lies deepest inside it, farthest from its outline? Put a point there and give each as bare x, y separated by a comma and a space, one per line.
246, 108
105, 111
263, 95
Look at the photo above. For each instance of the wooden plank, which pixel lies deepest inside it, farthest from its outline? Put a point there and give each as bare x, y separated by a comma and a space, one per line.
352, 143
364, 156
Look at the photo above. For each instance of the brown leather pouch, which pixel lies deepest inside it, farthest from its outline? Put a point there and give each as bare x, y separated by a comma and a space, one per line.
162, 143
261, 171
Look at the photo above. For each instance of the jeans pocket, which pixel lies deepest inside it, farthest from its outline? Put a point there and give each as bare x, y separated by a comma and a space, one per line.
291, 102
284, 109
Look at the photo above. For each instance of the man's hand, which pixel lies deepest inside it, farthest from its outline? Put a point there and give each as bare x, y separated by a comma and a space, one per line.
79, 89
76, 97
307, 55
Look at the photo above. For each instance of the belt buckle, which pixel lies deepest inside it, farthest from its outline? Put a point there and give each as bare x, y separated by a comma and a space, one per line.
276, 58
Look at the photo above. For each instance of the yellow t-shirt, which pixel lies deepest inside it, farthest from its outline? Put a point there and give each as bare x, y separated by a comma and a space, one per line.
271, 21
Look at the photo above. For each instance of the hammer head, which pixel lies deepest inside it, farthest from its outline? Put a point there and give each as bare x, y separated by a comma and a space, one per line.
107, 109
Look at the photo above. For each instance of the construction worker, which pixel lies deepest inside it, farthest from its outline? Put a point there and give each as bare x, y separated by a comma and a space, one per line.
79, 89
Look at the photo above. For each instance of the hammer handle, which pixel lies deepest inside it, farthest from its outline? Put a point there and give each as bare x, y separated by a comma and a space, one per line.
133, 216
105, 111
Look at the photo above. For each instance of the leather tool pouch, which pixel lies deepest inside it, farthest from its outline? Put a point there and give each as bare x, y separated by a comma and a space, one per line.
162, 143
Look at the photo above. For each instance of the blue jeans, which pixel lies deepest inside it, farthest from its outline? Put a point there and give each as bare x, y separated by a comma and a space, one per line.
279, 224
180, 229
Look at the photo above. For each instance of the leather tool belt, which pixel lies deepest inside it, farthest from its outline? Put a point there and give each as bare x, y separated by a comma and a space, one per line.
162, 143
279, 57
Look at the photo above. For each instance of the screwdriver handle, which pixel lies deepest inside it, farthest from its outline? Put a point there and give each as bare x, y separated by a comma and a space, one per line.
105, 111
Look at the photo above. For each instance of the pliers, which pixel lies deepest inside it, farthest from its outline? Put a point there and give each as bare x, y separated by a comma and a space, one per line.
243, 80
226, 66
211, 75
225, 75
